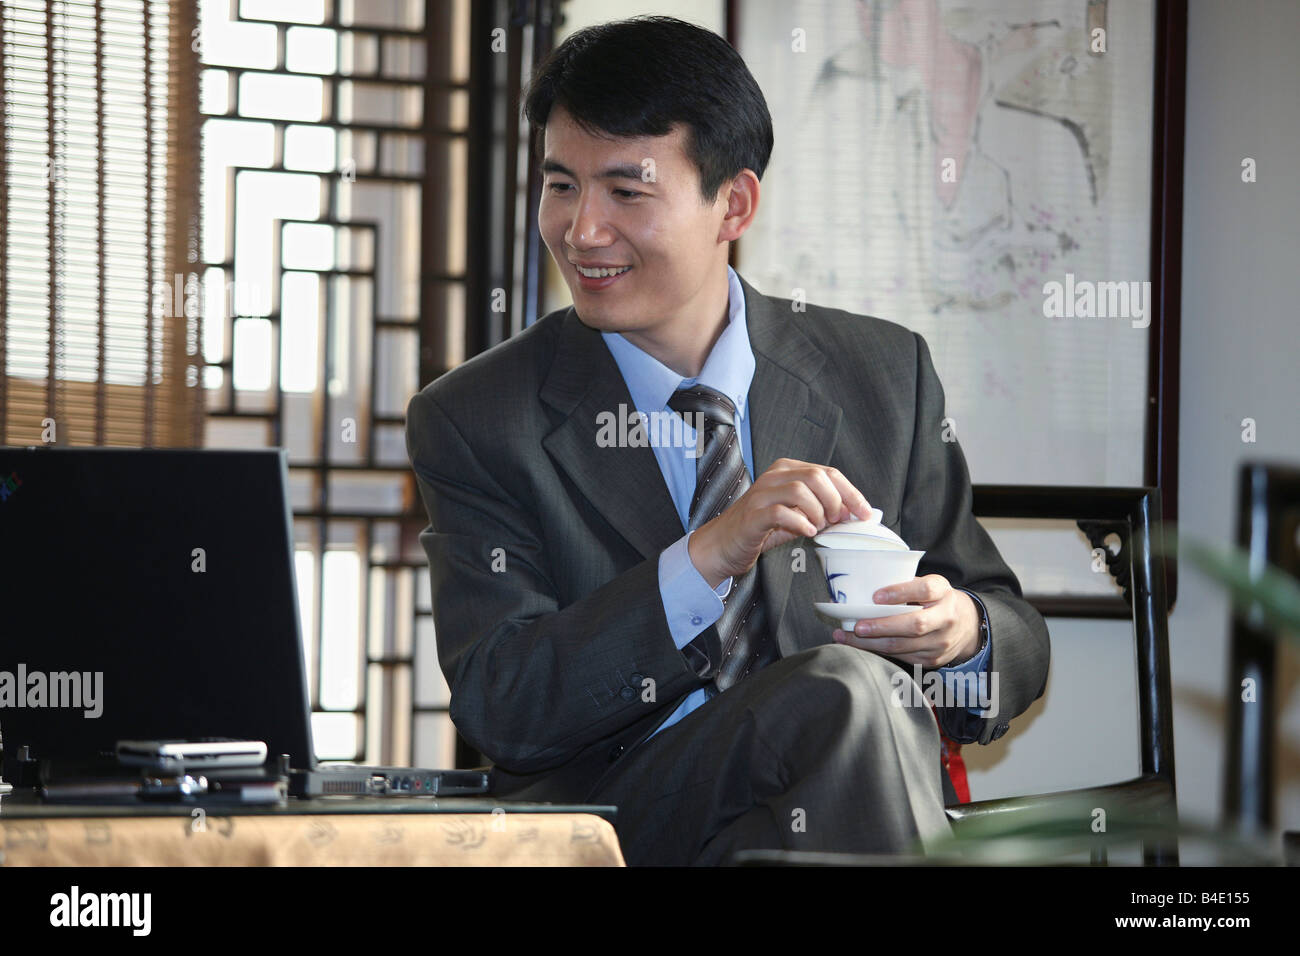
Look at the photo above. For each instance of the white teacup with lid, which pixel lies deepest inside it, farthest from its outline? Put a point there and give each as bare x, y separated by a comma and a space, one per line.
859, 558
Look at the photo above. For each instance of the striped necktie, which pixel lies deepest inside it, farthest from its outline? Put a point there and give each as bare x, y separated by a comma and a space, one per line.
739, 642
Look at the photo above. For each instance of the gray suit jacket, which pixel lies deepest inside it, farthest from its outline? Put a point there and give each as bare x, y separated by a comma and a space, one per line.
544, 547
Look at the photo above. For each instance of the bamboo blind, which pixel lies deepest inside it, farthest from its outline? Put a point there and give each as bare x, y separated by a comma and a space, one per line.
99, 223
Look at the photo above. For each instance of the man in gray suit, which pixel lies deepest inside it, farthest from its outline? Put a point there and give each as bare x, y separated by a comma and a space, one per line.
582, 574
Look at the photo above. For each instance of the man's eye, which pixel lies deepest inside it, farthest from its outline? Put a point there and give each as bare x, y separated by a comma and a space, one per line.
564, 187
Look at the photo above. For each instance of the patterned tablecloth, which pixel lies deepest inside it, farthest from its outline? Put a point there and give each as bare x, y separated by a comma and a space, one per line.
395, 839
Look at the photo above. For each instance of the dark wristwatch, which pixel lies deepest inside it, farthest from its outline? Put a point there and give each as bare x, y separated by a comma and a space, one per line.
984, 627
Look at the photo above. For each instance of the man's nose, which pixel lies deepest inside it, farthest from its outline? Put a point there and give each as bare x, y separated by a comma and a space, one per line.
588, 227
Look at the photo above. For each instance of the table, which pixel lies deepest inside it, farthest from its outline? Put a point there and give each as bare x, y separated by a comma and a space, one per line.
322, 831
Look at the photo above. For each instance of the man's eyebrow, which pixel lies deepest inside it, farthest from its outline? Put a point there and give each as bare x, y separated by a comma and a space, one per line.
626, 171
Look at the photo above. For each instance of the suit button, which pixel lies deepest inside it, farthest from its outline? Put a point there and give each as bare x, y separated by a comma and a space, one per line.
627, 693
616, 753
637, 679
999, 730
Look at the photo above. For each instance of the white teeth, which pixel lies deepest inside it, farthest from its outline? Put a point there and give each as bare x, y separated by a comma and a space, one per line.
601, 273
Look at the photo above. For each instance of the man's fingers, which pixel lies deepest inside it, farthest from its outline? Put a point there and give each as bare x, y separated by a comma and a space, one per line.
853, 499
796, 494
902, 648
790, 519
838, 499
819, 483
923, 590
907, 627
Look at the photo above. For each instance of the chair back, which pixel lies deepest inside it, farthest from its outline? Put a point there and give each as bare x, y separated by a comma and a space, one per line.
1268, 526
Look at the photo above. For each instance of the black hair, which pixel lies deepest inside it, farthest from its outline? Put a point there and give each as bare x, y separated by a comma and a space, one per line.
640, 77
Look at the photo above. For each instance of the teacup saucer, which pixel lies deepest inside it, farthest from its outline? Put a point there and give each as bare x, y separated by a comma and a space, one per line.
862, 612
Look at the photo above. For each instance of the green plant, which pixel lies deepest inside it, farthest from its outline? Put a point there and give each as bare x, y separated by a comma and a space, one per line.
1076, 825
1265, 594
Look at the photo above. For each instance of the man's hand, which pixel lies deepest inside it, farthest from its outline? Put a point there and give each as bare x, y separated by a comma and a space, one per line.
945, 630
792, 499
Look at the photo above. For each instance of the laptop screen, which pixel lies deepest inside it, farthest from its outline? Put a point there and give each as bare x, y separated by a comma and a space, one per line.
148, 594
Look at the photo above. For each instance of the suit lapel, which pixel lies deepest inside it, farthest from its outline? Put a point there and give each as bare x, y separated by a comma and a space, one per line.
624, 484
787, 419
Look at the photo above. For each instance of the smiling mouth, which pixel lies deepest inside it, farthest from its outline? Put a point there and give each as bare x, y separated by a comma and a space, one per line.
601, 273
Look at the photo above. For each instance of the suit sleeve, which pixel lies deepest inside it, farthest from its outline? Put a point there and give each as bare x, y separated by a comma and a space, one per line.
937, 518
532, 684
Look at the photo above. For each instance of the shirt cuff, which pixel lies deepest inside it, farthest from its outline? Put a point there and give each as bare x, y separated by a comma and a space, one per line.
690, 605
977, 664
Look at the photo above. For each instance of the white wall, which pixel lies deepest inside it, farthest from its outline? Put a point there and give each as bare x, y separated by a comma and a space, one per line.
1240, 350
584, 13
1241, 345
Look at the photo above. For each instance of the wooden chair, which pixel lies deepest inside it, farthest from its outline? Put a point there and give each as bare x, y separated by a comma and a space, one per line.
1134, 515
1268, 516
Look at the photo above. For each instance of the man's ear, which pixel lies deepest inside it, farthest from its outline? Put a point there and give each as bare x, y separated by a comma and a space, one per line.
742, 205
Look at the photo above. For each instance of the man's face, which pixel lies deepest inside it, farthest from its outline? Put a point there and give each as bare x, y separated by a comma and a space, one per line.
598, 209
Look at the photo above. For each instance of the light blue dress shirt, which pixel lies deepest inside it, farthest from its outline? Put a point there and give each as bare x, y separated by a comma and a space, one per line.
690, 605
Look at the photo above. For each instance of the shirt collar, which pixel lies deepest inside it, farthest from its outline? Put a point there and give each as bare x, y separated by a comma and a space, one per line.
729, 368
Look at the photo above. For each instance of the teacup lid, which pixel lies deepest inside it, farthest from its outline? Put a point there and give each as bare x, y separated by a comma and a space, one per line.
871, 525
870, 529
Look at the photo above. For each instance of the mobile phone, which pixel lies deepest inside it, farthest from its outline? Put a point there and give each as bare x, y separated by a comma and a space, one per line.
210, 752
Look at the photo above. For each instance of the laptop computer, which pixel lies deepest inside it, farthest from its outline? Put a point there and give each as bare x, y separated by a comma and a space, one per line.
150, 594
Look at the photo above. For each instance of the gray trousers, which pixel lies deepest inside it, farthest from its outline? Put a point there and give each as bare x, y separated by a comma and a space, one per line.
809, 753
